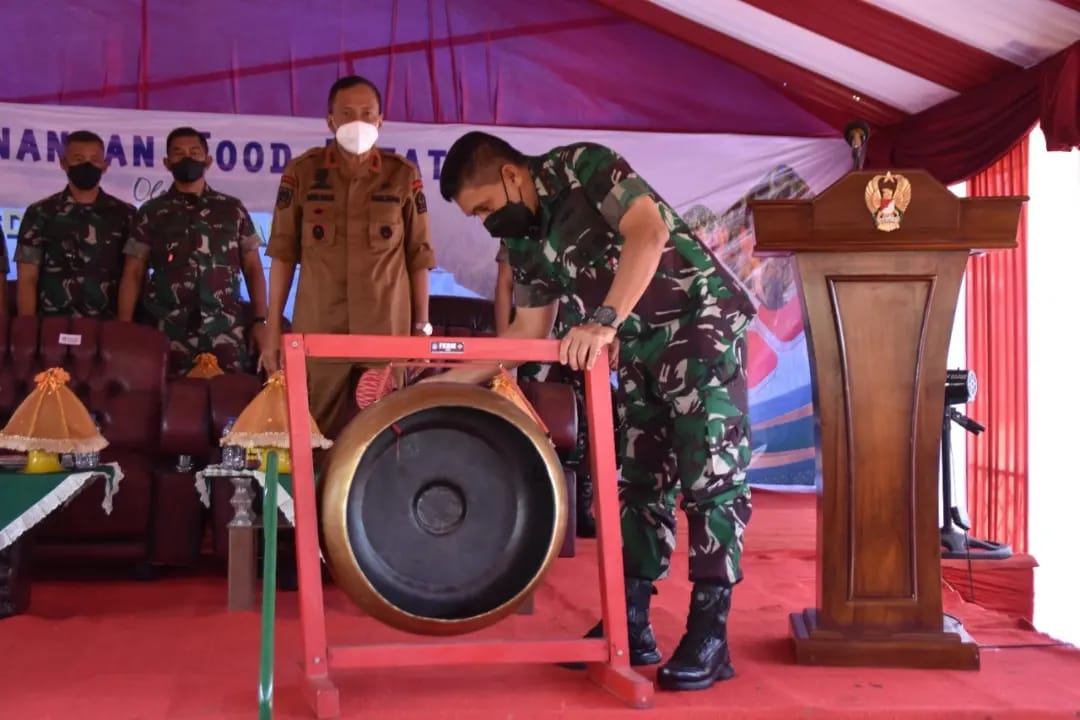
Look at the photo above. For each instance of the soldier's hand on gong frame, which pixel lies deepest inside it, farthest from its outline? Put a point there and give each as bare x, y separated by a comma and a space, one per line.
269, 345
582, 345
257, 337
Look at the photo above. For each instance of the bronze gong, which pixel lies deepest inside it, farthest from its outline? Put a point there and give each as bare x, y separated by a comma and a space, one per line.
443, 506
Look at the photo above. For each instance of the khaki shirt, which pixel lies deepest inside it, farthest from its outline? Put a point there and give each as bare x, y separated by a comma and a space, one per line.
356, 239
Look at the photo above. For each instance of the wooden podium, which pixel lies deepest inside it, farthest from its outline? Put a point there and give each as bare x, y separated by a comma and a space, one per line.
880, 259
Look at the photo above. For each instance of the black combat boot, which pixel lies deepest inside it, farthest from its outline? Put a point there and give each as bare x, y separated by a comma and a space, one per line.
586, 520
702, 656
642, 642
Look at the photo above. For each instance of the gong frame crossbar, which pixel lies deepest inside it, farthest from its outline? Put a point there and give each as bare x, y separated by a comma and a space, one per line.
607, 659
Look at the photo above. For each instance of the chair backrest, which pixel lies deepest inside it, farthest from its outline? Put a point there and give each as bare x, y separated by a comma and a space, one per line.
117, 369
461, 316
229, 395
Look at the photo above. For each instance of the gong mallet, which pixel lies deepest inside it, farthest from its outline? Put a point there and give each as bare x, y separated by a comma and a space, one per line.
266, 650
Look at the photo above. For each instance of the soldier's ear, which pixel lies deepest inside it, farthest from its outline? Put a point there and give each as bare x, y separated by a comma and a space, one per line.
165, 162
63, 163
330, 124
514, 174
209, 161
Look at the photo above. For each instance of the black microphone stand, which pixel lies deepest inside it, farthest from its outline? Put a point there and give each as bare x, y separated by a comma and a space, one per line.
955, 541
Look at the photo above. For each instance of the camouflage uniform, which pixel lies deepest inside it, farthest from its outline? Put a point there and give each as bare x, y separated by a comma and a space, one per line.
682, 398
79, 252
541, 372
4, 264
194, 245
537, 372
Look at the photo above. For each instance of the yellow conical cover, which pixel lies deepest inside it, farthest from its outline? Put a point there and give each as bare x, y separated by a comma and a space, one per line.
52, 419
504, 385
205, 367
265, 421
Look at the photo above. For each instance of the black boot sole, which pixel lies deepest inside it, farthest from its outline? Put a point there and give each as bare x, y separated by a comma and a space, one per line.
639, 659
666, 682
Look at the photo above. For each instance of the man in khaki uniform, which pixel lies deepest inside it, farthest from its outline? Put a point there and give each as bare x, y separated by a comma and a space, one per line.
356, 221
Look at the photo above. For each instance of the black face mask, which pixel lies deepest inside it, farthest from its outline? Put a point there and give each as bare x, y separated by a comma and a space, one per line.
84, 176
512, 220
187, 170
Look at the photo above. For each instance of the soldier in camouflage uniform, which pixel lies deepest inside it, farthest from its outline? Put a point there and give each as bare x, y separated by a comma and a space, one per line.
583, 228
541, 372
70, 249
196, 242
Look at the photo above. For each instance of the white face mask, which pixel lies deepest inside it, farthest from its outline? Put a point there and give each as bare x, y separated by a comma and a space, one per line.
357, 137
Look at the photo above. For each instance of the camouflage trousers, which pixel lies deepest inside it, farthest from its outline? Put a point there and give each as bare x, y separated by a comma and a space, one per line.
685, 428
228, 345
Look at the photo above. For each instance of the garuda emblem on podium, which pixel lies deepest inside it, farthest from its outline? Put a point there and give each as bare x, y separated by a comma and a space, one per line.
887, 197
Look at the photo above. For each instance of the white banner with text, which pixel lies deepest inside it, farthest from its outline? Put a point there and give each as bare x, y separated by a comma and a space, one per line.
707, 178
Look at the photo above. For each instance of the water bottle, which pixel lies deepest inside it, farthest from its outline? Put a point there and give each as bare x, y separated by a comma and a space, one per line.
232, 456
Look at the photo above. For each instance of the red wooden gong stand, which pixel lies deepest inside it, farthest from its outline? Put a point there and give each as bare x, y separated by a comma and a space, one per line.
607, 658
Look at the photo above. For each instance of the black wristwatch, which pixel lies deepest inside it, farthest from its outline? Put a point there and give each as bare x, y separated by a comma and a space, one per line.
605, 315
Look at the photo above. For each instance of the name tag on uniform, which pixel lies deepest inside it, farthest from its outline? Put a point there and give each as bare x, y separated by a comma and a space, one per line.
322, 179
385, 198
323, 197
70, 339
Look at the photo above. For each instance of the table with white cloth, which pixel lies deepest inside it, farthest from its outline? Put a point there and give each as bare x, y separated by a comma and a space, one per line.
25, 500
242, 563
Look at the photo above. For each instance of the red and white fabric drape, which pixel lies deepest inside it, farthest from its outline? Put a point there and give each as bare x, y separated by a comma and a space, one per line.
997, 460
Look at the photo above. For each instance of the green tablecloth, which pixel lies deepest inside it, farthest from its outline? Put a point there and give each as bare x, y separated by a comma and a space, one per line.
26, 500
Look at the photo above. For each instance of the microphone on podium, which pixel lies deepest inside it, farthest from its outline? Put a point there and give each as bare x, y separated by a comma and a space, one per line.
857, 135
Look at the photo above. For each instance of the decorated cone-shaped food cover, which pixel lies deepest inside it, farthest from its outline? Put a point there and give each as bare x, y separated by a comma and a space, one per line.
374, 385
265, 421
52, 419
205, 367
505, 385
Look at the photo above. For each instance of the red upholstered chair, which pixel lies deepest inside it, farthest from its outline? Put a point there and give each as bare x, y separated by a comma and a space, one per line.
118, 370
461, 316
195, 417
185, 421
184, 425
9, 400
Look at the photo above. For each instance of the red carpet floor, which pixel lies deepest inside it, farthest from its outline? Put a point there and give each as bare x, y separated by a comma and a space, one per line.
120, 651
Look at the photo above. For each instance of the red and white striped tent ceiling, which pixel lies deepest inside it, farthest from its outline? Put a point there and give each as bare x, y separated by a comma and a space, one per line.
878, 59
793, 67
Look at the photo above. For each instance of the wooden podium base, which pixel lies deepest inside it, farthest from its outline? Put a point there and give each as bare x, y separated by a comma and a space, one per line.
951, 649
